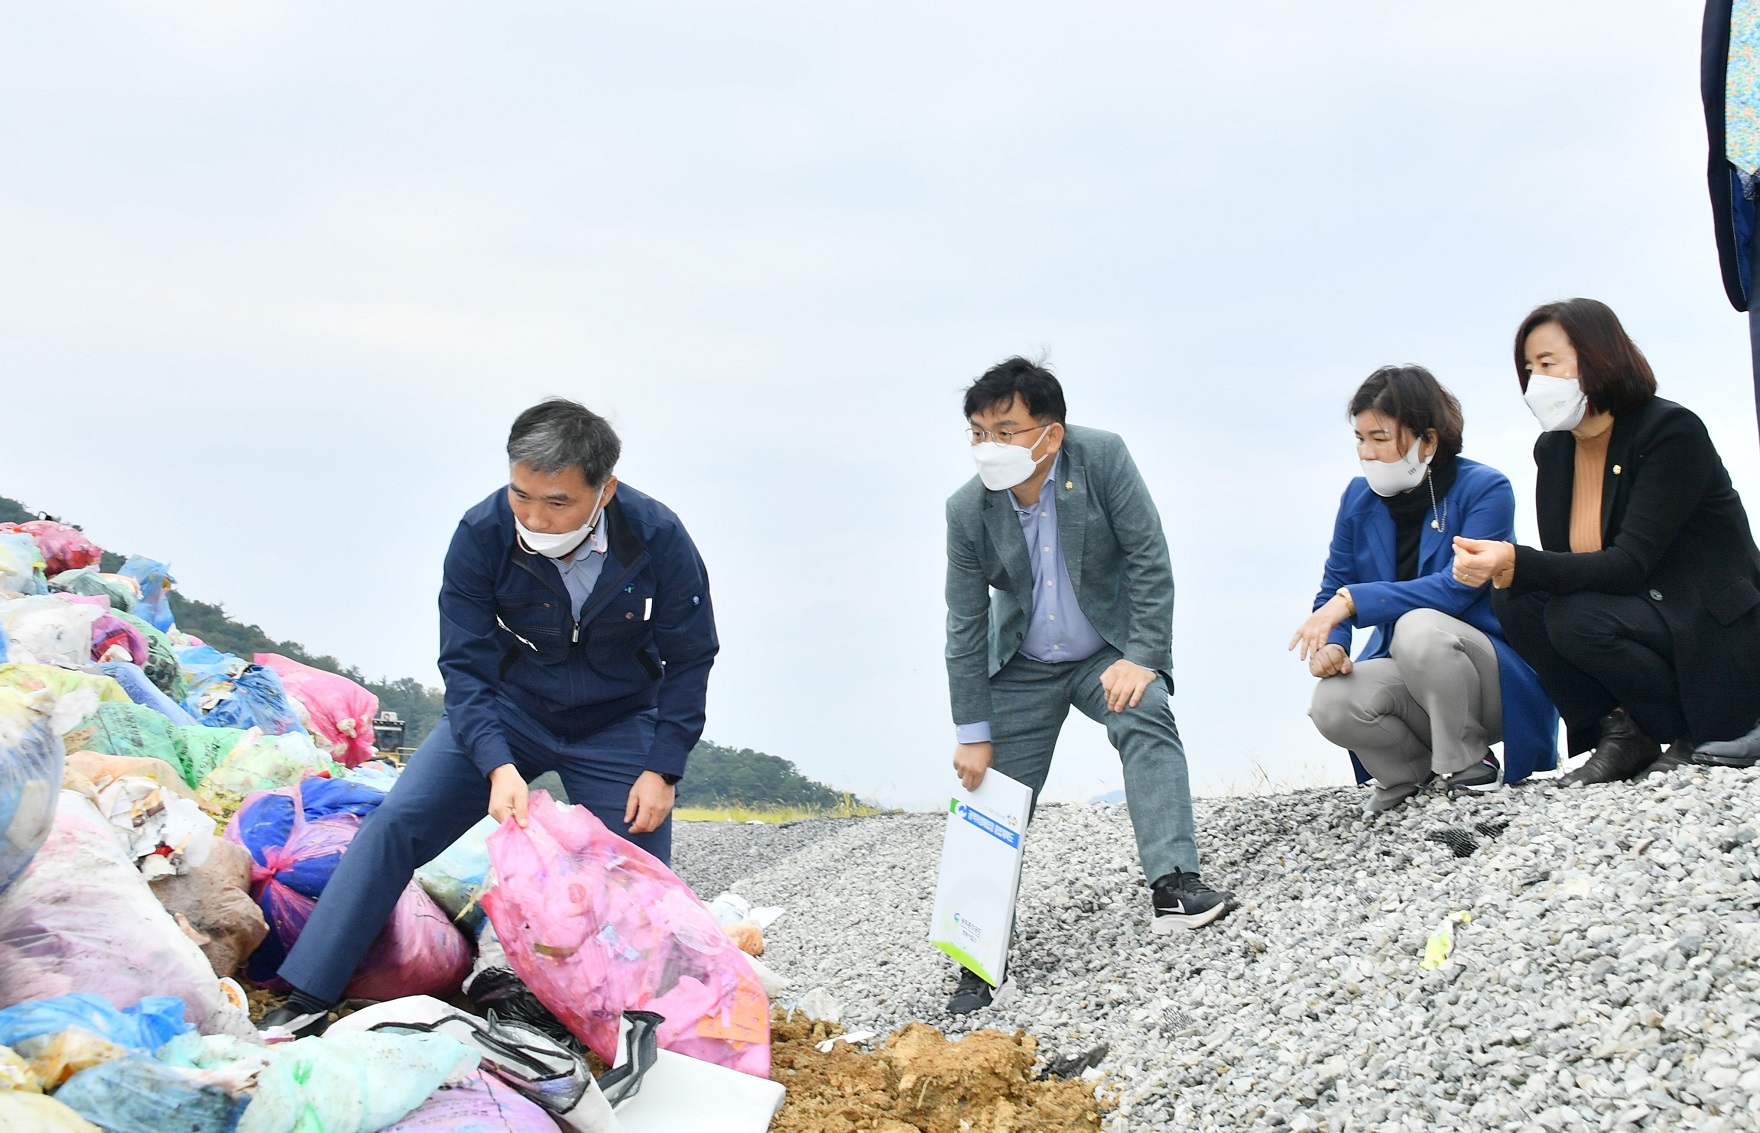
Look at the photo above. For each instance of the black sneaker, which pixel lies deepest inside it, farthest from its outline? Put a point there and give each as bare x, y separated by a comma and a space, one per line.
1182, 900
294, 1021
1485, 775
971, 994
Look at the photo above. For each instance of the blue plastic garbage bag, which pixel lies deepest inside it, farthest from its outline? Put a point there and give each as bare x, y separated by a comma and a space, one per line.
229, 692
291, 862
148, 1025
144, 692
31, 759
155, 582
138, 1095
3, 644
265, 823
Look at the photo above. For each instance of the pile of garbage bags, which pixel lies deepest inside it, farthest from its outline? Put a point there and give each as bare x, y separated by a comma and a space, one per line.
170, 815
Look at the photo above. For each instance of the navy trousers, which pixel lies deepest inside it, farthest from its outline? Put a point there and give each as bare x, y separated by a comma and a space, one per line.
439, 796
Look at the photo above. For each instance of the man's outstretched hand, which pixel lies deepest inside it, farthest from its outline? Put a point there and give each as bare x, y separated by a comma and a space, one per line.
650, 801
507, 794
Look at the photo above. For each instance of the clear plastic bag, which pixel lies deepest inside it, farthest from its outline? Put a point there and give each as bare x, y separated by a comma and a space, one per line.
341, 711
455, 878
83, 919
30, 780
596, 926
49, 630
21, 564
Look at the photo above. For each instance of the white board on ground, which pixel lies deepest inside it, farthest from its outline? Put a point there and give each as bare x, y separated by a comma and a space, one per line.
980, 874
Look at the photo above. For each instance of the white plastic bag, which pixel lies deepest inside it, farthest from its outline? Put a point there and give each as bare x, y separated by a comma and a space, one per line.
48, 631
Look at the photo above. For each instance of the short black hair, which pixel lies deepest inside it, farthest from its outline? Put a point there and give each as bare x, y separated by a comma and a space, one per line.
1037, 386
558, 433
1615, 375
1412, 396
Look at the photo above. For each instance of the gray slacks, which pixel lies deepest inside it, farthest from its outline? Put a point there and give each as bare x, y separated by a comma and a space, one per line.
1434, 705
1030, 701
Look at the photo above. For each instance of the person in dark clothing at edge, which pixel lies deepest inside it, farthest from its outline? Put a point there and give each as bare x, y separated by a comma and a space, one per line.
1060, 593
1640, 610
576, 635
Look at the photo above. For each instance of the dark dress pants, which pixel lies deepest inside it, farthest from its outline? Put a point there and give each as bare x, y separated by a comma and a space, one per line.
1594, 653
439, 796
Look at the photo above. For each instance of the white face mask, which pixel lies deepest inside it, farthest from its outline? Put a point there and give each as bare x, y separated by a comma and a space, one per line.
1557, 403
1402, 475
559, 545
1002, 465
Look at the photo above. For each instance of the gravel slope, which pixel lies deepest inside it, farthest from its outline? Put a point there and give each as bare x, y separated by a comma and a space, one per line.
1608, 978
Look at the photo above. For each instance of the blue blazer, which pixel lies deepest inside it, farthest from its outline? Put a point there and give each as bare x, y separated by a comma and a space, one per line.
1481, 505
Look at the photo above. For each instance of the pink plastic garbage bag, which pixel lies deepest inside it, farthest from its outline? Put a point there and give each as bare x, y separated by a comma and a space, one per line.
341, 710
297, 836
596, 926
63, 547
482, 1104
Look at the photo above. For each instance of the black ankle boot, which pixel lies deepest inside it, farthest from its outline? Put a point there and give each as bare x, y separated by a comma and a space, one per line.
1622, 753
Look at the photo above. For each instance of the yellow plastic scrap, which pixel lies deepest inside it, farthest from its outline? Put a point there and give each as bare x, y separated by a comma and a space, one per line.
58, 1057
15, 1073
1440, 946
40, 1114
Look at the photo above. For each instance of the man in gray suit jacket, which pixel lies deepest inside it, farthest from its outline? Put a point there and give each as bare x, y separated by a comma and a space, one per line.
1060, 593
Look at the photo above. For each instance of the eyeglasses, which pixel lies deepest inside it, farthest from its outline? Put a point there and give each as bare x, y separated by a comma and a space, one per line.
1006, 436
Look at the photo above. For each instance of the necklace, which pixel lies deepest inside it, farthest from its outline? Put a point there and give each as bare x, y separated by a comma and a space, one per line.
1438, 518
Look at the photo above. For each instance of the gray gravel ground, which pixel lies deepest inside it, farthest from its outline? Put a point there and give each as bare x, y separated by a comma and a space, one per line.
1607, 980
711, 856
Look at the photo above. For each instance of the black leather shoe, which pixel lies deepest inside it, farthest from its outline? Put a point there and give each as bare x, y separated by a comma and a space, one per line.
1678, 755
1623, 752
971, 994
297, 1022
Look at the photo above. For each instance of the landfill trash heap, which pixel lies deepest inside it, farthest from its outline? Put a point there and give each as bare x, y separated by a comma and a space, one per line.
169, 817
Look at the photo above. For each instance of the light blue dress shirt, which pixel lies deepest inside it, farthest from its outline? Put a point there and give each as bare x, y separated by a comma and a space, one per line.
581, 570
1058, 631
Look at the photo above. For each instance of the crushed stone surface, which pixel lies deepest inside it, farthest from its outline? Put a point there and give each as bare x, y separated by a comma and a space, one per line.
1609, 976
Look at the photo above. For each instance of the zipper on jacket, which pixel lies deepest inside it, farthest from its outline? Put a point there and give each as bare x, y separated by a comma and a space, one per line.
576, 640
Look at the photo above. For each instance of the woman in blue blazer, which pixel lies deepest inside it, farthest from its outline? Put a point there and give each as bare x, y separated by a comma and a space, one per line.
1437, 685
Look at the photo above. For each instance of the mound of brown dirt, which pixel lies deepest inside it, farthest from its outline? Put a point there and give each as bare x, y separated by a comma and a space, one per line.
919, 1082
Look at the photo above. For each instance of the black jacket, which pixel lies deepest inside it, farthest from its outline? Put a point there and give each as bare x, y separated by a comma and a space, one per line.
1673, 531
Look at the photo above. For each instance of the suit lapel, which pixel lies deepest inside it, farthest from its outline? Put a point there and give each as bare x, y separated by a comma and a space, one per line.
1619, 455
1555, 464
1069, 487
1379, 522
1004, 528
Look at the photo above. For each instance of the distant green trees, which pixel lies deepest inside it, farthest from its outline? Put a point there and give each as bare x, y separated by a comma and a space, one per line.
724, 776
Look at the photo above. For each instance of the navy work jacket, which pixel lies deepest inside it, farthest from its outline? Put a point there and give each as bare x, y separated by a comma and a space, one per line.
644, 639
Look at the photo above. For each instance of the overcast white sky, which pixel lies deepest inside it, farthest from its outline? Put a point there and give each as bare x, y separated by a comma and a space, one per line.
277, 277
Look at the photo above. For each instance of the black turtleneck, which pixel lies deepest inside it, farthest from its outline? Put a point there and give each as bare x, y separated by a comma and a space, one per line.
1412, 511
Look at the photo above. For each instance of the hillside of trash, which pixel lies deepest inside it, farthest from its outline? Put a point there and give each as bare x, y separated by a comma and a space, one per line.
169, 816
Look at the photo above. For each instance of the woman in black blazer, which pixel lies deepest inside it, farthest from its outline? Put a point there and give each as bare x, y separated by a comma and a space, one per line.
1641, 613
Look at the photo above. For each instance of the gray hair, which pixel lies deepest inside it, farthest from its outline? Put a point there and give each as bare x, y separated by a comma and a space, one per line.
557, 433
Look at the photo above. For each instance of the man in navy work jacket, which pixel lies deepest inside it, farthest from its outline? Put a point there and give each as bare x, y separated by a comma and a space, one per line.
1060, 594
576, 635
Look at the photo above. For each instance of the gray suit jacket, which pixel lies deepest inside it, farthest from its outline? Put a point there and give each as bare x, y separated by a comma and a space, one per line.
1112, 543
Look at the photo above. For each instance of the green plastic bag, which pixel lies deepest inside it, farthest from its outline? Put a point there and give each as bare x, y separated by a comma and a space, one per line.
161, 667
263, 763
86, 580
132, 730
207, 748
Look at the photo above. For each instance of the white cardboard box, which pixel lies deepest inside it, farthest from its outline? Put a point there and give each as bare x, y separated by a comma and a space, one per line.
981, 874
